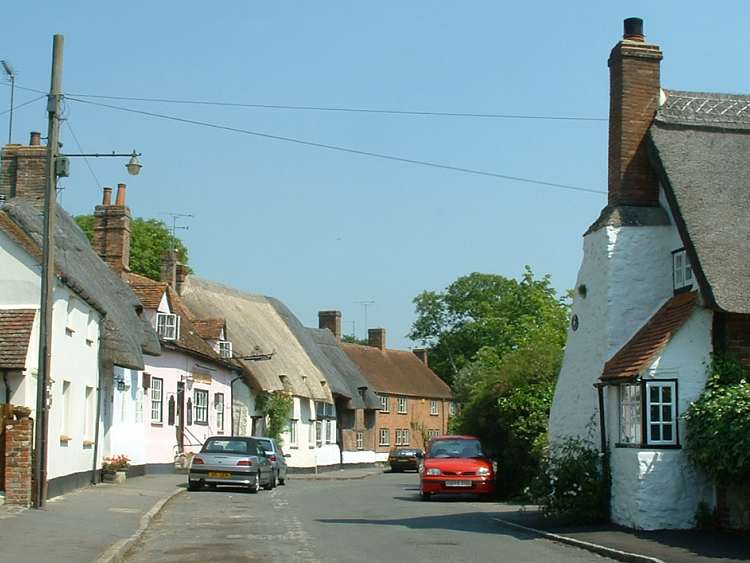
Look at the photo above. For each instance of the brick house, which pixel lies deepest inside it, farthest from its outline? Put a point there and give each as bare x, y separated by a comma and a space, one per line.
415, 404
664, 283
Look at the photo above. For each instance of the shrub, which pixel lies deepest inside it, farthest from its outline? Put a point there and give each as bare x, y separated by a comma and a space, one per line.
277, 406
572, 484
116, 463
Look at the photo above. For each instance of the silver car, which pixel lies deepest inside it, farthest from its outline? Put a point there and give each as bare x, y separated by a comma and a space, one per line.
276, 456
231, 460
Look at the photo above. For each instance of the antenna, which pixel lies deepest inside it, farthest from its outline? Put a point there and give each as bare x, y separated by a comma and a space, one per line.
11, 73
175, 227
365, 304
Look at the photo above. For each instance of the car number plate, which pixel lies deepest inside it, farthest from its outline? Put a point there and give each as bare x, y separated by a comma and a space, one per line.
219, 474
458, 483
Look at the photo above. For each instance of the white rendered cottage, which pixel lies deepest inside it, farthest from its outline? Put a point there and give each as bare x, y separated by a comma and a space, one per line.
664, 283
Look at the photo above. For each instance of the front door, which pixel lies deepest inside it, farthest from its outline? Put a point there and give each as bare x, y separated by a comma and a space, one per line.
180, 427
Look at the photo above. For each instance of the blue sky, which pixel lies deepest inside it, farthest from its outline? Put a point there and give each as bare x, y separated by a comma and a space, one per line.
321, 229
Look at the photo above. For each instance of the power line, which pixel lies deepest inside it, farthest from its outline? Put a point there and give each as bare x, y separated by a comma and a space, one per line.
22, 105
336, 108
342, 148
86, 160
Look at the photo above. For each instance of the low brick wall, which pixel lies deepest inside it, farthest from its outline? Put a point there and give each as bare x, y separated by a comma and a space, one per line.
18, 438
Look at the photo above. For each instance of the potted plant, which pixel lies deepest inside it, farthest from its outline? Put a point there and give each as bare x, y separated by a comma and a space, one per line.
115, 468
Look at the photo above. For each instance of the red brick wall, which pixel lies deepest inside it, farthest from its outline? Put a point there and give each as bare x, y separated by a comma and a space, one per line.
18, 437
417, 417
23, 171
732, 334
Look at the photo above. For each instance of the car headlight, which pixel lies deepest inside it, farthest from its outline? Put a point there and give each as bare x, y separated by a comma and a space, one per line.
432, 471
483, 471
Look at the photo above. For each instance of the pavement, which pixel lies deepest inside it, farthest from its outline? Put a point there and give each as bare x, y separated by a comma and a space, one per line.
679, 546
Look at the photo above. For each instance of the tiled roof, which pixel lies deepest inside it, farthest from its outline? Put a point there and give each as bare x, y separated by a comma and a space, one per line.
643, 348
210, 329
148, 291
397, 371
15, 332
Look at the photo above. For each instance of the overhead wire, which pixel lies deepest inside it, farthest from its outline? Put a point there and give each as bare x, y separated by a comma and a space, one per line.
80, 148
19, 106
339, 148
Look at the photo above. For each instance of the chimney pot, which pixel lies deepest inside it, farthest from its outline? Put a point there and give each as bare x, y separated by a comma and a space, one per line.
633, 29
120, 195
376, 338
107, 196
36, 139
332, 321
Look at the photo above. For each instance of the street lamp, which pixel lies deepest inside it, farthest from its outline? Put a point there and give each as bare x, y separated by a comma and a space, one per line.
133, 165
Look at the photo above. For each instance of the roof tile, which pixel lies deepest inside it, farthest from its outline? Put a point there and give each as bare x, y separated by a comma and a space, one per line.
15, 332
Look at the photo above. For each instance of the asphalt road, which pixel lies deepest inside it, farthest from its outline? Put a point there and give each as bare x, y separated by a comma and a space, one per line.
376, 519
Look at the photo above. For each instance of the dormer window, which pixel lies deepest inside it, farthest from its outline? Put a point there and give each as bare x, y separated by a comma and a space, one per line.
682, 272
225, 349
168, 326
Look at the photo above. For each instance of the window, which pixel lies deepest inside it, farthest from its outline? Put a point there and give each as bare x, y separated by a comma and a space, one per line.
157, 399
402, 405
168, 326
681, 270
630, 414
67, 411
360, 440
404, 436
200, 398
434, 408
661, 412
293, 433
225, 349
398, 436
385, 403
329, 431
318, 433
219, 403
432, 434
311, 434
89, 414
384, 437
452, 408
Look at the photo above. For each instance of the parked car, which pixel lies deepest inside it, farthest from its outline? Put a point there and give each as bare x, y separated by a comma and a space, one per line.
405, 458
237, 460
456, 464
276, 456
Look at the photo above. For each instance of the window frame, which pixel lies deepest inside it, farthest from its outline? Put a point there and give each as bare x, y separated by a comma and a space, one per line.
634, 404
200, 408
645, 440
160, 420
685, 270
434, 408
384, 432
385, 403
405, 402
219, 401
224, 349
293, 433
166, 325
360, 440
318, 433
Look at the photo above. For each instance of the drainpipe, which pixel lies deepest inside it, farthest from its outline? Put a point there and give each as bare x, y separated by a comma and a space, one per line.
605, 460
98, 412
231, 401
7, 386
602, 430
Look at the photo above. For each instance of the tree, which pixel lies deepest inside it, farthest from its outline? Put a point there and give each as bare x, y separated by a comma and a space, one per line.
351, 339
149, 239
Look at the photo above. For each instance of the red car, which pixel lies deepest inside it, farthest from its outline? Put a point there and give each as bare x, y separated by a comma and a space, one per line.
456, 464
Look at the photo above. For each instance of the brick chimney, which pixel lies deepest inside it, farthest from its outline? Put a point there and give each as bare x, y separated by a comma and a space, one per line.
421, 353
23, 170
168, 272
112, 230
181, 272
376, 338
633, 99
332, 321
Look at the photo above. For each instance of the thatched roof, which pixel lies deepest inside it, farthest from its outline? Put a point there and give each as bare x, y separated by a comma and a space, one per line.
261, 339
125, 333
700, 145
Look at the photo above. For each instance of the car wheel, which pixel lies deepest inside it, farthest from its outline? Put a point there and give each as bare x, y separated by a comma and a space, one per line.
271, 482
254, 487
425, 496
193, 485
282, 481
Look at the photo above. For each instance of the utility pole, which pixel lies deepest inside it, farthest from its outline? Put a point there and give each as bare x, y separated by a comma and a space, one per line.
48, 275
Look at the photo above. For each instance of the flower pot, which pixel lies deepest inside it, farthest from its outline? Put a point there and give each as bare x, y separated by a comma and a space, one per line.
114, 476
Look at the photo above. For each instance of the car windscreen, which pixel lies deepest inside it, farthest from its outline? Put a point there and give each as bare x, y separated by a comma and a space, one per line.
456, 448
228, 446
266, 445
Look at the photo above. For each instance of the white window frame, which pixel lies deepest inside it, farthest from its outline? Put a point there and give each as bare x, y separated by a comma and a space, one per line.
200, 407
168, 326
384, 437
404, 436
329, 431
398, 436
630, 423
219, 404
225, 349
293, 427
385, 403
434, 408
318, 433
402, 405
660, 405
360, 436
682, 271
157, 400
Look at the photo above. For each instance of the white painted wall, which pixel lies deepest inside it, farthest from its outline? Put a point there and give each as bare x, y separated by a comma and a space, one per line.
306, 454
659, 488
363, 456
74, 367
128, 417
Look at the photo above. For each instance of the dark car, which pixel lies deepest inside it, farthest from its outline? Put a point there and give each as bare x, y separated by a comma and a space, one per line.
231, 460
456, 464
401, 459
276, 456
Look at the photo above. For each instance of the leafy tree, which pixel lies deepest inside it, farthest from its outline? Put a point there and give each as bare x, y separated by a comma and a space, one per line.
149, 239
351, 339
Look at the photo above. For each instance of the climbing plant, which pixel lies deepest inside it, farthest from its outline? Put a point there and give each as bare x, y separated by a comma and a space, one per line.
276, 406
